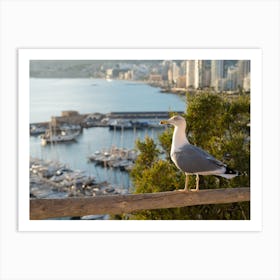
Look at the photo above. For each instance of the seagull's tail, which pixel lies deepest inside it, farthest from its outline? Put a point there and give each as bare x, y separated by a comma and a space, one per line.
230, 173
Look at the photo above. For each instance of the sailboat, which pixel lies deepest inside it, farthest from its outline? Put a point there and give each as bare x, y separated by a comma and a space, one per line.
67, 135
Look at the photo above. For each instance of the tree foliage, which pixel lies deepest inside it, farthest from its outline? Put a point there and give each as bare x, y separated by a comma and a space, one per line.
218, 124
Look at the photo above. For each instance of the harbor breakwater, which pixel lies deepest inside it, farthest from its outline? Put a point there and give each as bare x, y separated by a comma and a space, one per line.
112, 120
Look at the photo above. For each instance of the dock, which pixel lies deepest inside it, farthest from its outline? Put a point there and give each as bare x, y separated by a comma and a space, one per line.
119, 119
141, 115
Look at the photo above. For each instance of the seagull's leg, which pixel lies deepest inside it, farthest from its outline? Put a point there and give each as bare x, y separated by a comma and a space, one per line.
197, 183
186, 183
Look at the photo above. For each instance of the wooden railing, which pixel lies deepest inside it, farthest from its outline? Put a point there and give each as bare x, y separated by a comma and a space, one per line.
119, 204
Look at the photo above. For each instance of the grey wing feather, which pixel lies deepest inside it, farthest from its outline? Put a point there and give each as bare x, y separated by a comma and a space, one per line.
192, 159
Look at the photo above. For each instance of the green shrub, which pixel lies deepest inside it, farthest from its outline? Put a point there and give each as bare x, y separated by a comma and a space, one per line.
218, 124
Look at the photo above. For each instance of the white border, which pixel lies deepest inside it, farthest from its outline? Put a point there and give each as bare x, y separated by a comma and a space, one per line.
25, 55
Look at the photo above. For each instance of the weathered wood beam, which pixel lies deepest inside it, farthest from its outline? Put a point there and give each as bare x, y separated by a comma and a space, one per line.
119, 204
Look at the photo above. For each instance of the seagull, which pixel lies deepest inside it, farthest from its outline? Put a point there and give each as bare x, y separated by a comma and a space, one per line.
191, 159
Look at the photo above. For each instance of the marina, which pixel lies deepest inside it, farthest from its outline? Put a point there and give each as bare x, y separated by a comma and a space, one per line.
67, 127
53, 179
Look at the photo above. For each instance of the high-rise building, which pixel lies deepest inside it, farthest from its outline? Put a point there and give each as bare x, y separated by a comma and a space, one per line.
197, 74
190, 74
165, 69
206, 77
232, 78
173, 72
247, 82
202, 74
243, 71
217, 74
183, 68
181, 81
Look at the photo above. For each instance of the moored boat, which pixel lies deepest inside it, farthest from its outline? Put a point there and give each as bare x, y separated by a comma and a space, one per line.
115, 158
59, 138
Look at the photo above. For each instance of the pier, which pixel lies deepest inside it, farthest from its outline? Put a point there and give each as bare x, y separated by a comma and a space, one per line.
141, 115
117, 119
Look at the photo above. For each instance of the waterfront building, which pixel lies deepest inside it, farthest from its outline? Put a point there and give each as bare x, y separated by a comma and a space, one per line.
247, 83
165, 70
232, 78
197, 74
243, 71
206, 79
155, 78
190, 74
182, 71
126, 75
201, 74
173, 72
169, 76
217, 74
109, 73
181, 81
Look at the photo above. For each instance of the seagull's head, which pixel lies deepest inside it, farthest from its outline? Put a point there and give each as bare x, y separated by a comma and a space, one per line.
177, 121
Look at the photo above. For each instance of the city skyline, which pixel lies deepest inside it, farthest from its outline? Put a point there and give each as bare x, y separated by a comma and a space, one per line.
218, 75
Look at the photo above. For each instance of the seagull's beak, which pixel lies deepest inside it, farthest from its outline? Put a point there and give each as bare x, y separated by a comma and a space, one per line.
164, 122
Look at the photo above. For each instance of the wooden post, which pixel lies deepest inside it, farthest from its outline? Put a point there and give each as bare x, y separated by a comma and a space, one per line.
119, 204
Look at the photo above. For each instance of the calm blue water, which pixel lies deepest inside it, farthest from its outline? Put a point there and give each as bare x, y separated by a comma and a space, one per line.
48, 97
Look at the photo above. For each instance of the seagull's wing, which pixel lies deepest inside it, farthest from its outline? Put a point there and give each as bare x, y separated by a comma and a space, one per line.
192, 159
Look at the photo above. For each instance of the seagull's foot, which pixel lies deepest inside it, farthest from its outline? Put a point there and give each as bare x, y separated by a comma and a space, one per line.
183, 190
188, 190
